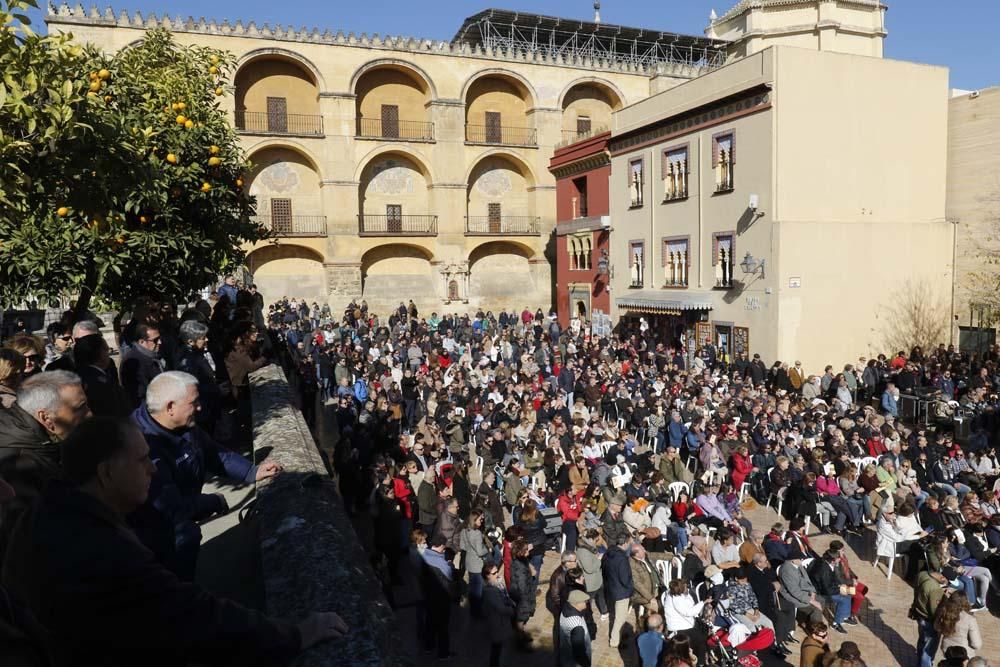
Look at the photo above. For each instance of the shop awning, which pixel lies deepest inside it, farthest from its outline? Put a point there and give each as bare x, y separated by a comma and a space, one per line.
661, 303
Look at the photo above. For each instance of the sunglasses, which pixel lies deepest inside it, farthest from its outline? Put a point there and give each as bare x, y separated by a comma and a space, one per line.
31, 357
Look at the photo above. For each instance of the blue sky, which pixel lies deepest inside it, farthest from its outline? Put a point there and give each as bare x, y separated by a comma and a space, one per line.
959, 34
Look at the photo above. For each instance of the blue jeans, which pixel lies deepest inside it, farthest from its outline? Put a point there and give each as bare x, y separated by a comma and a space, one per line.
927, 643
956, 489
680, 535
536, 562
921, 498
970, 589
842, 610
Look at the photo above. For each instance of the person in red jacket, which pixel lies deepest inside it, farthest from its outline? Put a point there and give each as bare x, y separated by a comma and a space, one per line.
876, 445
570, 505
741, 466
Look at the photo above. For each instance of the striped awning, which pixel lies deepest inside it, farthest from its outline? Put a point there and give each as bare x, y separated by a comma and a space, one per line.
661, 303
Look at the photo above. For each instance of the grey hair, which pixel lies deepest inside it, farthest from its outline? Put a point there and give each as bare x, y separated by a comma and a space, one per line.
977, 661
85, 328
41, 391
192, 330
566, 556
167, 387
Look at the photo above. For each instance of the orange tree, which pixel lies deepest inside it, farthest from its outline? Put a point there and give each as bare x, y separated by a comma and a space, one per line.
119, 174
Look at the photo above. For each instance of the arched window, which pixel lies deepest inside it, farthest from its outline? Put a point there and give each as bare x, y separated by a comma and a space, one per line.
453, 290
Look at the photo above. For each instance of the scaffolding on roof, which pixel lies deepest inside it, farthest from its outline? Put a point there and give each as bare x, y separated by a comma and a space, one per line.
557, 38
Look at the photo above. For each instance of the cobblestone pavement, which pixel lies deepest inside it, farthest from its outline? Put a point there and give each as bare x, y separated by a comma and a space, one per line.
886, 636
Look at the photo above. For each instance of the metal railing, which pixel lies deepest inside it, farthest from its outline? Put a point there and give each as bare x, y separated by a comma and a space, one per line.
405, 130
504, 225
397, 225
296, 225
573, 136
262, 122
501, 135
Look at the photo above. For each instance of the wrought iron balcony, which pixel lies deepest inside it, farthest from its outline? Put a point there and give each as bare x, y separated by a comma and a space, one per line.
294, 225
293, 124
505, 225
400, 130
501, 135
397, 225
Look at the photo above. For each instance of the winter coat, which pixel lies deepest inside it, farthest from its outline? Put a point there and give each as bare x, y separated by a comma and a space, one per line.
617, 575
589, 561
522, 589
79, 567
500, 610
470, 541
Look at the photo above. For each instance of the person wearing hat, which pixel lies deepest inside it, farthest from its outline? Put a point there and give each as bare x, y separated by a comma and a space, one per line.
797, 588
574, 635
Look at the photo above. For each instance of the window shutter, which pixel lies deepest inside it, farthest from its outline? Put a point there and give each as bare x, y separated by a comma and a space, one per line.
732, 148
665, 252
715, 152
715, 249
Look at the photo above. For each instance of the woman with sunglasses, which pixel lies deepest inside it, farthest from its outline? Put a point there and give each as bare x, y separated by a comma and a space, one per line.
32, 349
11, 373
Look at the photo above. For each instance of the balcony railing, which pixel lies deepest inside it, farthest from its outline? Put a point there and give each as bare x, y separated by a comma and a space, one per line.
504, 225
397, 225
400, 130
296, 225
296, 124
501, 135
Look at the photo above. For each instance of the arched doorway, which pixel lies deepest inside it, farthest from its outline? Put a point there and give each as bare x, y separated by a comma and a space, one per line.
288, 270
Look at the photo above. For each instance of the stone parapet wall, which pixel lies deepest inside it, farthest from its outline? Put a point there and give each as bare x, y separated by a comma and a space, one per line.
311, 559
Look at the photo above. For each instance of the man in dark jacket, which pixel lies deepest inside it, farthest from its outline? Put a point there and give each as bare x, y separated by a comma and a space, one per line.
49, 406
105, 599
141, 364
167, 522
99, 377
822, 571
617, 586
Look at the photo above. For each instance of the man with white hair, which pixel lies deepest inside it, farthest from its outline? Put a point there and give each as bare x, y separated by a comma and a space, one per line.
184, 456
49, 406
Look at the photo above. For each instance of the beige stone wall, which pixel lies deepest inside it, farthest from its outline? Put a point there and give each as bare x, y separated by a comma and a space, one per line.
973, 189
394, 179
430, 82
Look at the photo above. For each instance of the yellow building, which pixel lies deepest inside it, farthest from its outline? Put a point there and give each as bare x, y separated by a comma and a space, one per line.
783, 203
394, 167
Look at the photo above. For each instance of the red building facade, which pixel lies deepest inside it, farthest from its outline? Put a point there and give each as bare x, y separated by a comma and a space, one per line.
583, 227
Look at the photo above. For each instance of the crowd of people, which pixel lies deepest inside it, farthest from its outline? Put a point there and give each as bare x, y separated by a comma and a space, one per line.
102, 473
479, 442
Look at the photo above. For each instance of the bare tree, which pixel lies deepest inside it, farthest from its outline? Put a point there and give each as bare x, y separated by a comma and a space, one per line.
915, 315
979, 286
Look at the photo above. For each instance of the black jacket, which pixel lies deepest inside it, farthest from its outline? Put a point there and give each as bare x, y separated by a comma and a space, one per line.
29, 460
823, 578
89, 580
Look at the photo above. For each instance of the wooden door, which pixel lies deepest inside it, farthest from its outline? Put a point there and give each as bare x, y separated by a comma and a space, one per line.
494, 133
494, 219
582, 125
390, 121
281, 216
277, 114
394, 218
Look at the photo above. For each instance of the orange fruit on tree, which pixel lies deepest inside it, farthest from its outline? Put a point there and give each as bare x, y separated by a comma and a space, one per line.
213, 149
181, 120
62, 211
93, 75
214, 162
171, 158
213, 70
95, 86
189, 124
239, 182
104, 75
107, 98
143, 219
214, 60
205, 187
220, 91
181, 106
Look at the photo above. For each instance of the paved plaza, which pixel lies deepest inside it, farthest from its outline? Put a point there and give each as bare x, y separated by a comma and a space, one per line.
886, 636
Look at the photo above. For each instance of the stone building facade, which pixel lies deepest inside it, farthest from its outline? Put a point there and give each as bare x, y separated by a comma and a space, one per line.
393, 168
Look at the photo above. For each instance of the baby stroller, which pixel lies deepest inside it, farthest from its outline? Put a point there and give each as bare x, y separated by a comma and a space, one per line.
736, 646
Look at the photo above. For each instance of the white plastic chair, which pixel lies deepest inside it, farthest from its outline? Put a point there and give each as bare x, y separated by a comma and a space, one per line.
664, 569
743, 490
676, 488
866, 461
479, 467
778, 495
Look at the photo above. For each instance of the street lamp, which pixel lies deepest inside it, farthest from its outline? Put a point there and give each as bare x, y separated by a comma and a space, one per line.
750, 265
